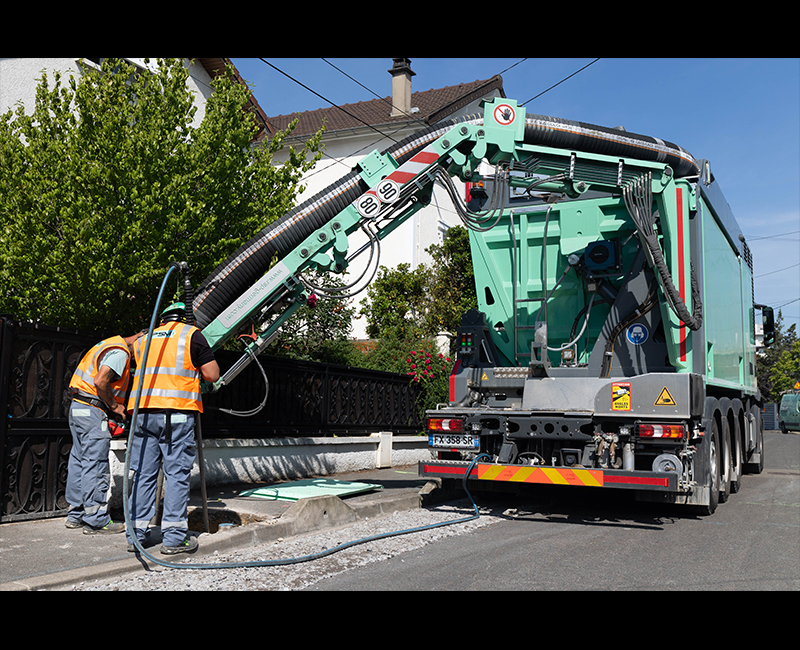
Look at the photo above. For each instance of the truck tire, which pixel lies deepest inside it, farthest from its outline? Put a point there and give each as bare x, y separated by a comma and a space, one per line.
758, 424
712, 478
724, 463
737, 452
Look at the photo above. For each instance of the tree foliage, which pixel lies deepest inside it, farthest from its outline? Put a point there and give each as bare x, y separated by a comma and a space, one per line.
428, 300
320, 330
405, 309
778, 366
451, 282
396, 302
107, 181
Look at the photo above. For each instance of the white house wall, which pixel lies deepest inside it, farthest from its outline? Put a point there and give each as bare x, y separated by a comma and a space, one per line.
19, 78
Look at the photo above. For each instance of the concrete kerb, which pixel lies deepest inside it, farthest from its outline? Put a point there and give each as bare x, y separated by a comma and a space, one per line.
303, 517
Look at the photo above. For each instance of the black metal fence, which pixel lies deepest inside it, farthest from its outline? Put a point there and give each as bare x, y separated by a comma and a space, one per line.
305, 399
310, 399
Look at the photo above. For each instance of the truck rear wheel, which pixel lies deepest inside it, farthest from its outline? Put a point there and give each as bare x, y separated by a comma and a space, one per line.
713, 472
724, 460
736, 463
758, 424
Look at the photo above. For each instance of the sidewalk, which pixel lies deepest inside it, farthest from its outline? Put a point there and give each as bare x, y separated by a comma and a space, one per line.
45, 555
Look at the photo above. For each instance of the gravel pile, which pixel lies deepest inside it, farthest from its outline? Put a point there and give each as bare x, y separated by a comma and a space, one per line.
299, 576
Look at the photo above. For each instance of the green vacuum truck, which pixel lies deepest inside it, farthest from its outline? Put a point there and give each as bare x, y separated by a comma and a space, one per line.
614, 341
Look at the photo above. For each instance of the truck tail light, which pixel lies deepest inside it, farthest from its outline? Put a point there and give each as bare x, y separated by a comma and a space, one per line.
446, 424
675, 431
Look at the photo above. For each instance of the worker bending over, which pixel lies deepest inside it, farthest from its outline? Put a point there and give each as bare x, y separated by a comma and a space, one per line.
178, 358
98, 389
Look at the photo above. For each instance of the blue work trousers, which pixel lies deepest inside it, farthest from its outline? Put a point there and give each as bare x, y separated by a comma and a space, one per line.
169, 437
88, 473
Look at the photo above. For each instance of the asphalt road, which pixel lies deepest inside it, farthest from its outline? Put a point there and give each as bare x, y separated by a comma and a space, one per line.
553, 538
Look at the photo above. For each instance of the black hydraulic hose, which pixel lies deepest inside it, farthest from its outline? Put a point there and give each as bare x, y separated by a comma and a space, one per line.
241, 269
567, 134
188, 295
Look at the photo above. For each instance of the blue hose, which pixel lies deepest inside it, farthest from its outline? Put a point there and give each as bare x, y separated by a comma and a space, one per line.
258, 563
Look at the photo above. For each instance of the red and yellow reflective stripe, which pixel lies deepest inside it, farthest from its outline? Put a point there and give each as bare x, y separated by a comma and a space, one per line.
550, 475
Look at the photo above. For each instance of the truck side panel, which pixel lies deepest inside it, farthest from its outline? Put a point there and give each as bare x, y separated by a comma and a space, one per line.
728, 309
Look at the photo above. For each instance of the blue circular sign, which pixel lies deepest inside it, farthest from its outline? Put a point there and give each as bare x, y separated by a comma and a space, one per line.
637, 334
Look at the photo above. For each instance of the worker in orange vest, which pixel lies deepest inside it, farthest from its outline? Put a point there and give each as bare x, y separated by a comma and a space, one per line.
171, 399
98, 389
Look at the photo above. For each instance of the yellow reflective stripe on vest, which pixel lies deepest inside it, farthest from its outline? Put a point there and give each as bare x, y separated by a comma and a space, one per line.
83, 377
170, 379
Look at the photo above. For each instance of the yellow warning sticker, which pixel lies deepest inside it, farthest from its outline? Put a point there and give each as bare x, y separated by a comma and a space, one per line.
665, 398
485, 377
621, 396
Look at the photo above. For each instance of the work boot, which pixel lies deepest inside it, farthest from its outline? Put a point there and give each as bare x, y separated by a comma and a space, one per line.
73, 523
188, 545
110, 528
132, 547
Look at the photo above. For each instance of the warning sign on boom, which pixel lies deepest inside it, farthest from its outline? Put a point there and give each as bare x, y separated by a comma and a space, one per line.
665, 398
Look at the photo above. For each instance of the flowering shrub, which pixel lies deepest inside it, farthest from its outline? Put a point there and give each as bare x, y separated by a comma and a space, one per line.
431, 371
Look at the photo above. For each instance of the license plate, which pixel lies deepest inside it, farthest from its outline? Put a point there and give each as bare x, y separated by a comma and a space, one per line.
452, 440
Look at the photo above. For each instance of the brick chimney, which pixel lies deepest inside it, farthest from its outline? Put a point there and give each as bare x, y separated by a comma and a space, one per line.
401, 87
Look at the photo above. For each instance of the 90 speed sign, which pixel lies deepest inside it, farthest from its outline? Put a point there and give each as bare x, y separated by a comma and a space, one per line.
385, 192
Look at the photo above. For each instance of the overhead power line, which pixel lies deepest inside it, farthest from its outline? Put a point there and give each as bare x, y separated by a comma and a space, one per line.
783, 234
785, 268
383, 99
323, 98
561, 82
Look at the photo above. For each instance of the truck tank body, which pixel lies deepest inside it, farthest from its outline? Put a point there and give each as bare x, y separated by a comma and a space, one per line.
583, 253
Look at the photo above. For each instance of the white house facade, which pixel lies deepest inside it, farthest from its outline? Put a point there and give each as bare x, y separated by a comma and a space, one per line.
19, 78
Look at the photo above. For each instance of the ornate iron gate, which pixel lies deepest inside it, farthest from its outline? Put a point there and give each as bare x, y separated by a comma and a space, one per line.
36, 364
305, 399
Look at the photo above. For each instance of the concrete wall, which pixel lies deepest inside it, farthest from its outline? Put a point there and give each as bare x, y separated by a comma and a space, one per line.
233, 461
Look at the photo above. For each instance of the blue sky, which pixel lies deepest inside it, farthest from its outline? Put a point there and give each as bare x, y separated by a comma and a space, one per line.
743, 115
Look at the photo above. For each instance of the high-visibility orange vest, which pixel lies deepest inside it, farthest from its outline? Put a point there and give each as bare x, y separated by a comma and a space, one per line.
83, 379
170, 379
